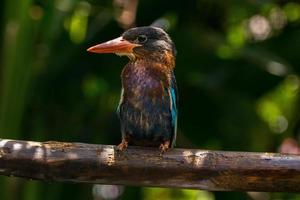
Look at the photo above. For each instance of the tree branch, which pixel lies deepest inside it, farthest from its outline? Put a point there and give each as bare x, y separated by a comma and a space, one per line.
180, 168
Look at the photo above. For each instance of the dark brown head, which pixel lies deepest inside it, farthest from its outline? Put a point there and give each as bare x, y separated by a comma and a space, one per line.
140, 43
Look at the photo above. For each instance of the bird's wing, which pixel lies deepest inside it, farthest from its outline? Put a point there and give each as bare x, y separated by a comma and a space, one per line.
120, 103
173, 107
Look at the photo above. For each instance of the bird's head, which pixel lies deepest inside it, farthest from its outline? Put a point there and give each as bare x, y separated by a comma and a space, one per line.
140, 43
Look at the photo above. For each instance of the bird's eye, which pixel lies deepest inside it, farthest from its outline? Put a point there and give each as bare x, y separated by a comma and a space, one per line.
142, 38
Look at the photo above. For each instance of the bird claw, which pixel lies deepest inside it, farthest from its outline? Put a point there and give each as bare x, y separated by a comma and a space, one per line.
123, 145
164, 147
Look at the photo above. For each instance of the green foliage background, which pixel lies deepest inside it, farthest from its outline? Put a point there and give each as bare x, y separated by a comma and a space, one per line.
237, 71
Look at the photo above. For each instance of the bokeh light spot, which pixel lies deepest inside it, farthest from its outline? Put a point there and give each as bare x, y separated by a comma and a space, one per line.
292, 11
259, 27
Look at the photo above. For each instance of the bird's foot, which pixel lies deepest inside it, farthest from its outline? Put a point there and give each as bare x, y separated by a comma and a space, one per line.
123, 145
164, 147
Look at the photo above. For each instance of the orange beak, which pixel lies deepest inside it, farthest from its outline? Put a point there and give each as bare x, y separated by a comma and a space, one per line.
118, 45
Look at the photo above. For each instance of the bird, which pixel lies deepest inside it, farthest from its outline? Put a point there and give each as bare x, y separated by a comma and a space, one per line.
149, 98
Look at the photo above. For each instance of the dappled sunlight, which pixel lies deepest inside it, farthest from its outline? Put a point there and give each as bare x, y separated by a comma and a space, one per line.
39, 153
77, 23
17, 147
277, 107
292, 11
72, 156
195, 158
3, 142
108, 154
30, 144
188, 156
257, 28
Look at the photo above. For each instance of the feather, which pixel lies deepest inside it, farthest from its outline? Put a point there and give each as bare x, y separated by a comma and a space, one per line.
173, 108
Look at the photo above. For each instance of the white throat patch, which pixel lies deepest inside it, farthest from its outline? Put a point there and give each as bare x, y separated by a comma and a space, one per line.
131, 56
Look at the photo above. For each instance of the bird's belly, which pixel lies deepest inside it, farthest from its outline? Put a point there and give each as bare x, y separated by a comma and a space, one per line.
148, 125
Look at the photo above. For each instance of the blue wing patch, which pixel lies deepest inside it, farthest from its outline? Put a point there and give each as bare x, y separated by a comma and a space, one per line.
173, 107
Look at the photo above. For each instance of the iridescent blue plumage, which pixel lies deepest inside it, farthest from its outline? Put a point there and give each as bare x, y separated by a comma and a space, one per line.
148, 105
174, 112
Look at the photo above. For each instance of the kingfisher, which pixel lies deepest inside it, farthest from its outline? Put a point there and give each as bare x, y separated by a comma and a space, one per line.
148, 105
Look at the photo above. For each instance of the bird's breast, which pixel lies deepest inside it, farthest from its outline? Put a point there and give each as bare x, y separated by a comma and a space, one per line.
145, 105
141, 83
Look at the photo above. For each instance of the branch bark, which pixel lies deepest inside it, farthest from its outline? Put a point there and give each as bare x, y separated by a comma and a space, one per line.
180, 168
